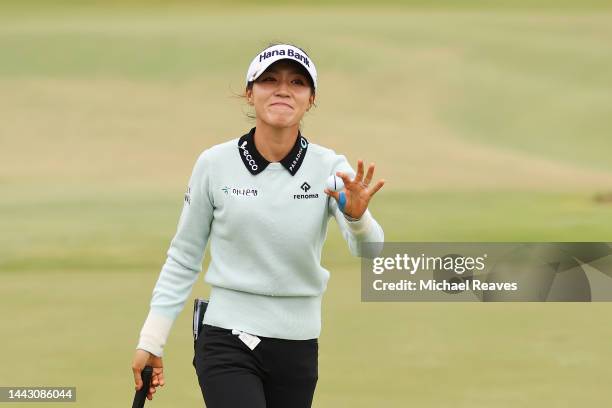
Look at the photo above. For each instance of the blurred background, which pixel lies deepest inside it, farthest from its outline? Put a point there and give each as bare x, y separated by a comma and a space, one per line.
489, 120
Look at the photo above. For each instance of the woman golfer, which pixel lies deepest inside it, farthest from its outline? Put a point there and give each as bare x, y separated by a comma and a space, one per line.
262, 201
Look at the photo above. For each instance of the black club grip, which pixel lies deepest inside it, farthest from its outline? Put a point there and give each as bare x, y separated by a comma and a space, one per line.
141, 395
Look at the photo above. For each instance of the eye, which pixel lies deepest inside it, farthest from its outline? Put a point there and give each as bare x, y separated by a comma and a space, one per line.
299, 81
267, 78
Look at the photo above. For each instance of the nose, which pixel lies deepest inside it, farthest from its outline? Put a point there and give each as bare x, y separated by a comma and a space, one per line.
282, 89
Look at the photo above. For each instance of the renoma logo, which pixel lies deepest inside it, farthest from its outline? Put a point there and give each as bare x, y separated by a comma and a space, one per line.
240, 192
305, 187
248, 156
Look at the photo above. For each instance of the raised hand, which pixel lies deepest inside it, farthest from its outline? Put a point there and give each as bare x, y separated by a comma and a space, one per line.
357, 192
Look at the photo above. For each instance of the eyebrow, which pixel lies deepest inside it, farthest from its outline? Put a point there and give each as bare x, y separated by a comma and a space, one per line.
292, 71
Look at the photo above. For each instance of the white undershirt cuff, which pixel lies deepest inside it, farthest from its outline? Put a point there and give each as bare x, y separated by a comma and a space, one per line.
154, 333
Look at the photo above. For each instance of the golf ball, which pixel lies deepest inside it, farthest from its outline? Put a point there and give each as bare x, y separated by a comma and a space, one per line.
335, 183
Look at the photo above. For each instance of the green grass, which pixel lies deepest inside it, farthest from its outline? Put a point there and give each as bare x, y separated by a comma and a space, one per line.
489, 121
525, 86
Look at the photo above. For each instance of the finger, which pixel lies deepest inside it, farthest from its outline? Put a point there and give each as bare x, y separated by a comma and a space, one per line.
158, 379
359, 175
376, 187
137, 378
158, 375
369, 174
331, 193
346, 179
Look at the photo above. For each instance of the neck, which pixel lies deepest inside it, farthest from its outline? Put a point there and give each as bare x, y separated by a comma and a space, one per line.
274, 143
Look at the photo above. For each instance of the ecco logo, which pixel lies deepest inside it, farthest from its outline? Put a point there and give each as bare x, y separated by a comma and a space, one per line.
248, 156
305, 187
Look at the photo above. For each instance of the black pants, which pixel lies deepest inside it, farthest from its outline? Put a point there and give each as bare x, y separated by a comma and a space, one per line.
278, 373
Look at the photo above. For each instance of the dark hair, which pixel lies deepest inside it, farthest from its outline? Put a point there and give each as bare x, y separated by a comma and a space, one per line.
249, 86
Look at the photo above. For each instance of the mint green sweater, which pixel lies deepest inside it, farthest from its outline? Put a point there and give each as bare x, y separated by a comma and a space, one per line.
266, 223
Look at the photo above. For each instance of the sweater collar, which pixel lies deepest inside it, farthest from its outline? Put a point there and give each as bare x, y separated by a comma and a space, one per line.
256, 163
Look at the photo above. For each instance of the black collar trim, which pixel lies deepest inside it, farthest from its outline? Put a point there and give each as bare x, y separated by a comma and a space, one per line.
256, 163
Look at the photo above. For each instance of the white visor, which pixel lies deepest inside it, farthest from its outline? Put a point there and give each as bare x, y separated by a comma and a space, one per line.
278, 52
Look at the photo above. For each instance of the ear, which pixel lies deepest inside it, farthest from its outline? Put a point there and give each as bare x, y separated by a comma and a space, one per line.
310, 102
249, 96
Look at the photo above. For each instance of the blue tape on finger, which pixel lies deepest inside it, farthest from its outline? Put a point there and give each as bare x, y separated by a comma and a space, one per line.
342, 201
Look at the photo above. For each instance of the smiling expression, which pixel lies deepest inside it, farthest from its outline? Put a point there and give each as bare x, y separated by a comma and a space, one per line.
282, 94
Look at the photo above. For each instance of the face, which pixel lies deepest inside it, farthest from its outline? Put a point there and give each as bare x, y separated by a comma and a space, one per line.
281, 95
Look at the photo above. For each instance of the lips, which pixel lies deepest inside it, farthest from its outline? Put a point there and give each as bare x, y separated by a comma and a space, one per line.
282, 104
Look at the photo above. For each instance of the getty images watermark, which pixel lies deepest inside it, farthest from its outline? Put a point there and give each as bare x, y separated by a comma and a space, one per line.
488, 272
